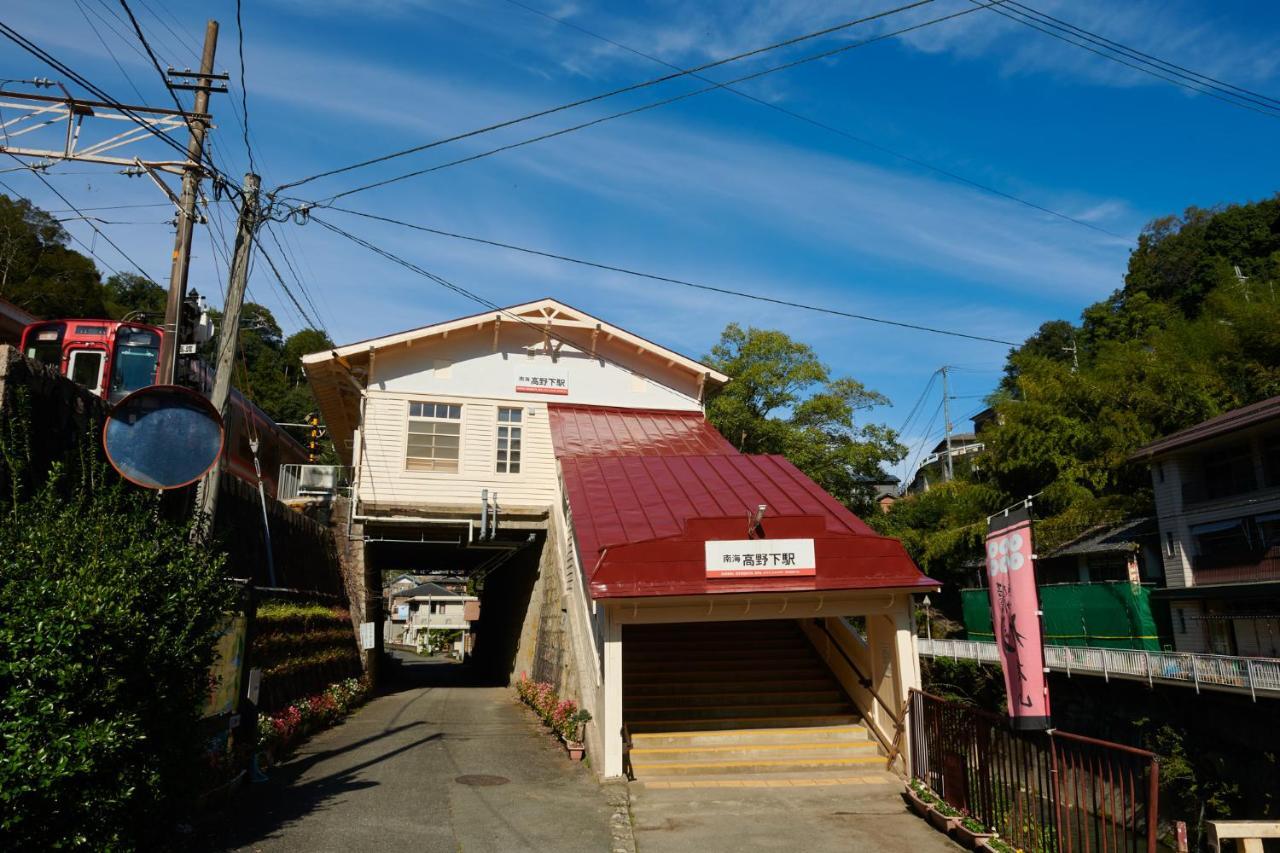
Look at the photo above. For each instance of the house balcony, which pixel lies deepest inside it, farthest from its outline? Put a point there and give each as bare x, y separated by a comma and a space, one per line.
1209, 570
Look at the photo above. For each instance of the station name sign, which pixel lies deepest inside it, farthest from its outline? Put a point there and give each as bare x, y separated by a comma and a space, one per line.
542, 379
761, 558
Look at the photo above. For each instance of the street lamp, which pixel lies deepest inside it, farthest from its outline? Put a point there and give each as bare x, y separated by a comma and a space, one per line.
928, 622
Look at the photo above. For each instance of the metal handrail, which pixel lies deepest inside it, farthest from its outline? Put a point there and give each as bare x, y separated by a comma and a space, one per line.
865, 682
1196, 669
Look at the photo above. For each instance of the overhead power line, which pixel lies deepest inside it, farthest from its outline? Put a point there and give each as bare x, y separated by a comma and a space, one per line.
602, 96
539, 329
682, 282
915, 161
81, 243
650, 106
63, 69
88, 221
244, 88
1113, 51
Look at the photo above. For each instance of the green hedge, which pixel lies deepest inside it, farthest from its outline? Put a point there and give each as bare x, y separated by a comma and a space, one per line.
106, 637
301, 648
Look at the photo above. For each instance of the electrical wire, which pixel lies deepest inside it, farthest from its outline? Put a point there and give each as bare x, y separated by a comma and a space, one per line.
911, 415
62, 68
283, 286
860, 140
650, 106
82, 244
95, 228
244, 88
631, 88
1061, 33
540, 330
678, 281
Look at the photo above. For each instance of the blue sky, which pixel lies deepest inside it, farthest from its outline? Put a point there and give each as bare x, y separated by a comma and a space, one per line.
715, 188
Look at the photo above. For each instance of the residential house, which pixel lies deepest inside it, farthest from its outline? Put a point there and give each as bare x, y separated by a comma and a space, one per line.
1217, 491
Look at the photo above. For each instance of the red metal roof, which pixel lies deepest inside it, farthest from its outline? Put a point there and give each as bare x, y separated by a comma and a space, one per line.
641, 522
600, 430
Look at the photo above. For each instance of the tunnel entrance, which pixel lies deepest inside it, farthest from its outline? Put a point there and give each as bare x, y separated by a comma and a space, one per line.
430, 581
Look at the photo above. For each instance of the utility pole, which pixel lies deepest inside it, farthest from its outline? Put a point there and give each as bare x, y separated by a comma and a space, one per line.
166, 368
947, 470
228, 340
1075, 355
1243, 281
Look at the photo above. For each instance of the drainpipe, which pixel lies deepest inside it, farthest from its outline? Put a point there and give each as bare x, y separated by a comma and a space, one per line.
484, 514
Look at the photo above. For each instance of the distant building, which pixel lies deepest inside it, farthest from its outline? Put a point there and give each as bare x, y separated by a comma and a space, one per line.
12, 321
431, 607
1217, 490
1127, 551
932, 470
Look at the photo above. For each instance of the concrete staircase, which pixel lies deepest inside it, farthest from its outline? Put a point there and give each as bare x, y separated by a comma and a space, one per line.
739, 703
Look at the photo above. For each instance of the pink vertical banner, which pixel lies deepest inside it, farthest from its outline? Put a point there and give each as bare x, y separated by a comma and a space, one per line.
1015, 616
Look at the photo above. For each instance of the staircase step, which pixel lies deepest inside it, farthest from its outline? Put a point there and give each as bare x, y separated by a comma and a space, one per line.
663, 688
657, 756
850, 733
749, 711
653, 770
860, 776
664, 656
799, 667
741, 722
703, 700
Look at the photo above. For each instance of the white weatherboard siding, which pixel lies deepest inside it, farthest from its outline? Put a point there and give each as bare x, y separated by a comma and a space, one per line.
384, 480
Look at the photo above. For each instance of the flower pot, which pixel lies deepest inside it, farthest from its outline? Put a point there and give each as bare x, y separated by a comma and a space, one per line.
972, 839
985, 844
941, 822
576, 750
917, 805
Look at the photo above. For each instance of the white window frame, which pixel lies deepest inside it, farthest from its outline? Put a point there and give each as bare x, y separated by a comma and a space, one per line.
101, 355
500, 425
410, 418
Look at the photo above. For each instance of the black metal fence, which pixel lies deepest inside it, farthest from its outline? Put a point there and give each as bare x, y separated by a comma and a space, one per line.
1043, 792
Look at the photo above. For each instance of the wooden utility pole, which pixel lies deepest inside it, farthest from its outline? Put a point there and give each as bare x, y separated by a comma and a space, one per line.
166, 367
228, 337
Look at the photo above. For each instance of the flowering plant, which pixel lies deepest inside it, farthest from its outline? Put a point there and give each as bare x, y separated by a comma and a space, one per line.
277, 732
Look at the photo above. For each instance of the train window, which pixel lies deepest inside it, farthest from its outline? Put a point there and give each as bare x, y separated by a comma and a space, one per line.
86, 369
45, 345
137, 351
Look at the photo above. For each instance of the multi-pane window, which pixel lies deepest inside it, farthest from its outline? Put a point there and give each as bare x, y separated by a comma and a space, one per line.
435, 430
509, 440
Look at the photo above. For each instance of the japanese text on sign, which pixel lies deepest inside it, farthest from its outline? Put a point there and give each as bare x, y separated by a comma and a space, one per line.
757, 558
1015, 616
542, 379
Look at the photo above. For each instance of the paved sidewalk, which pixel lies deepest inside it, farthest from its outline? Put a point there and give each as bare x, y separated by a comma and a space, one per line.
861, 816
386, 779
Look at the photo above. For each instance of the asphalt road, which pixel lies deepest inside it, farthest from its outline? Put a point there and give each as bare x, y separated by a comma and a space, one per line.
387, 779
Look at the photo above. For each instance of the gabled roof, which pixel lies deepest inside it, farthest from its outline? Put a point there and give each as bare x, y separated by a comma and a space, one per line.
1125, 537
432, 589
337, 375
540, 314
596, 430
1228, 422
641, 523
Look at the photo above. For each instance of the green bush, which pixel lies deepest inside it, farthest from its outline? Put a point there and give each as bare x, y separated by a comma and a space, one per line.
106, 638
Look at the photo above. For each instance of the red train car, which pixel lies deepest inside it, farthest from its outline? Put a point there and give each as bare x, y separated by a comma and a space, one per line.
113, 359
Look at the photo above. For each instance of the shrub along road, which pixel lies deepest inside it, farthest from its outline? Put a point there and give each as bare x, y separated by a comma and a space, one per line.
387, 777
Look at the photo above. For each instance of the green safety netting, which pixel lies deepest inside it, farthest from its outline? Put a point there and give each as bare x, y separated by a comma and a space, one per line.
1114, 615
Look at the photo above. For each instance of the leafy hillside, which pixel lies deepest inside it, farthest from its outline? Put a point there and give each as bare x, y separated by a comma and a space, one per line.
1185, 339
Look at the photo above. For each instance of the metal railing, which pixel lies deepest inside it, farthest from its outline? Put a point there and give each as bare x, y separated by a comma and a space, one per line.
300, 481
1043, 792
1256, 676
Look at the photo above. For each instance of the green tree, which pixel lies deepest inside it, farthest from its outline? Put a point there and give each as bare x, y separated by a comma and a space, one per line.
783, 399
37, 270
135, 296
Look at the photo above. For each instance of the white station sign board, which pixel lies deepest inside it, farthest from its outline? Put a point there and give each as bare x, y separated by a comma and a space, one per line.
542, 379
761, 558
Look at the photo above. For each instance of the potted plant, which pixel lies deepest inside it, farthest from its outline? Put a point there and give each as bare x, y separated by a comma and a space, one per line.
995, 845
970, 832
572, 733
915, 796
943, 816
